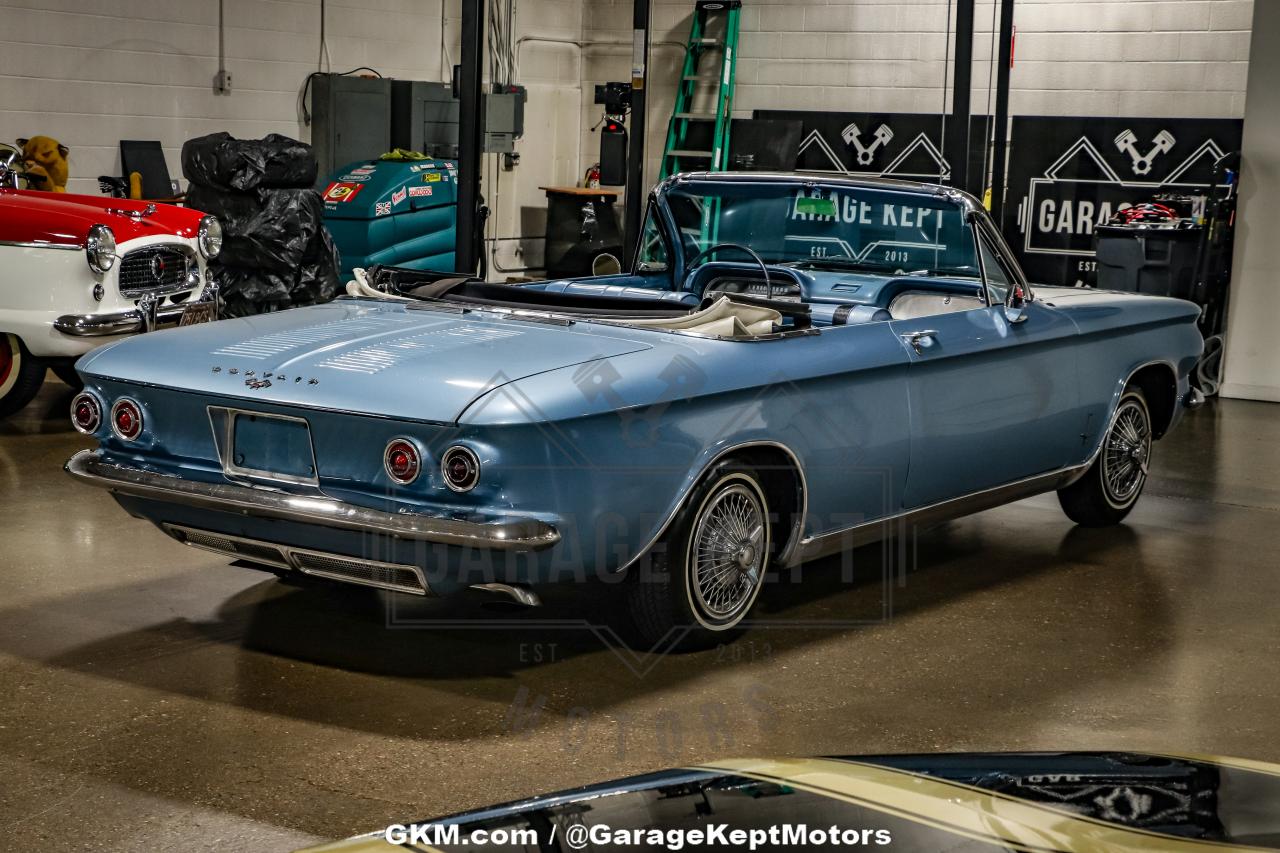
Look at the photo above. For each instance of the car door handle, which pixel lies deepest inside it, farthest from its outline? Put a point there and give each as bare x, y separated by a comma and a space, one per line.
920, 340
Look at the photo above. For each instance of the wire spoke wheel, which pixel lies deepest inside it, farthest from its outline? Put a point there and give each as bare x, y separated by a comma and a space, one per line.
1127, 453
727, 553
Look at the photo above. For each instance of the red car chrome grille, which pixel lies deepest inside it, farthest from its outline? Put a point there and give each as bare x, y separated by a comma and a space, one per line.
155, 270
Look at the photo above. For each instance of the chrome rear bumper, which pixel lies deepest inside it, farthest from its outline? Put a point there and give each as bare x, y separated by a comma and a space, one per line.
515, 534
1193, 399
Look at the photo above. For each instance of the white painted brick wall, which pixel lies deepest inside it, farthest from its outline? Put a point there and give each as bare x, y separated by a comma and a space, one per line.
1182, 58
91, 72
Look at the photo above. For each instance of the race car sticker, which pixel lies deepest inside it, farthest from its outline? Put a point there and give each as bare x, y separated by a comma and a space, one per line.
431, 177
382, 208
398, 196
342, 191
417, 192
355, 177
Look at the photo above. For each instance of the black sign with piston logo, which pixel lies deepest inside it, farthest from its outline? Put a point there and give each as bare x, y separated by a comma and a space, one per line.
1068, 175
910, 146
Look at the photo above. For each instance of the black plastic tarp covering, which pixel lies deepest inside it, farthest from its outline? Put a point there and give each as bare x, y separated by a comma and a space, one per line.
220, 161
271, 234
276, 252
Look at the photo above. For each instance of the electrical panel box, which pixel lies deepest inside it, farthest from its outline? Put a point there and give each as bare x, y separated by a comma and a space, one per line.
503, 120
424, 117
350, 119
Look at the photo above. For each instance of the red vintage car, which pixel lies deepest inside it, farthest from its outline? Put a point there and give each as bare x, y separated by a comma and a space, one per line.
78, 271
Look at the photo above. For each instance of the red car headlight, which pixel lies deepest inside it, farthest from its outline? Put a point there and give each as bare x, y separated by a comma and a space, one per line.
100, 249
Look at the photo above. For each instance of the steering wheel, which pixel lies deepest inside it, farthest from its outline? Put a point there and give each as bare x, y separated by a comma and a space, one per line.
768, 286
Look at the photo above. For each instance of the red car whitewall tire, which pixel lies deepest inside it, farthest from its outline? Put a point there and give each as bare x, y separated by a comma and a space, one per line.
8, 363
21, 375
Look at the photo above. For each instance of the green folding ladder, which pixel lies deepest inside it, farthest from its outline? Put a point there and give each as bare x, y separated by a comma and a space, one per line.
714, 32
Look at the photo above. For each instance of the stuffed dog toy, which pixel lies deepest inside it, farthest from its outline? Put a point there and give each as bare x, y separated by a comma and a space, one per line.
45, 161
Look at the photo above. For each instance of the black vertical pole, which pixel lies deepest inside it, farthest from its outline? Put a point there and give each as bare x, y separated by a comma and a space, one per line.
470, 136
635, 150
957, 125
1000, 156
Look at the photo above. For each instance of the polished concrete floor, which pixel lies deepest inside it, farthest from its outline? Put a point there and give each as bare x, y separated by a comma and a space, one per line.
155, 697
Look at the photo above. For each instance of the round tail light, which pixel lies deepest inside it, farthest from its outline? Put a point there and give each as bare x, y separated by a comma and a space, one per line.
126, 420
402, 461
86, 413
461, 468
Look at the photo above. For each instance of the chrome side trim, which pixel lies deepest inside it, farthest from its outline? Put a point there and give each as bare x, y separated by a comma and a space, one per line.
296, 559
770, 336
34, 244
793, 539
115, 323
571, 319
510, 534
874, 530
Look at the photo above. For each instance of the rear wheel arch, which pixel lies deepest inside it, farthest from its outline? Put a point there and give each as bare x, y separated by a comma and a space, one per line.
1159, 385
666, 591
784, 488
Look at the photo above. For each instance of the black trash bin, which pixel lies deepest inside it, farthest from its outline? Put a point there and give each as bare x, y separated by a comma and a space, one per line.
1156, 261
581, 226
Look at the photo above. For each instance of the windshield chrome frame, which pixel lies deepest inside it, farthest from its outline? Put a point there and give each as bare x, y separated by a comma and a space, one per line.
982, 224
966, 203
665, 220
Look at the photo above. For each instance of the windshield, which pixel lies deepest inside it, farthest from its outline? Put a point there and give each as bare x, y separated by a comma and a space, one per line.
825, 226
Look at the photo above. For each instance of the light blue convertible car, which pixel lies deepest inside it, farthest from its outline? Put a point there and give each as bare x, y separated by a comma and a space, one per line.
795, 366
